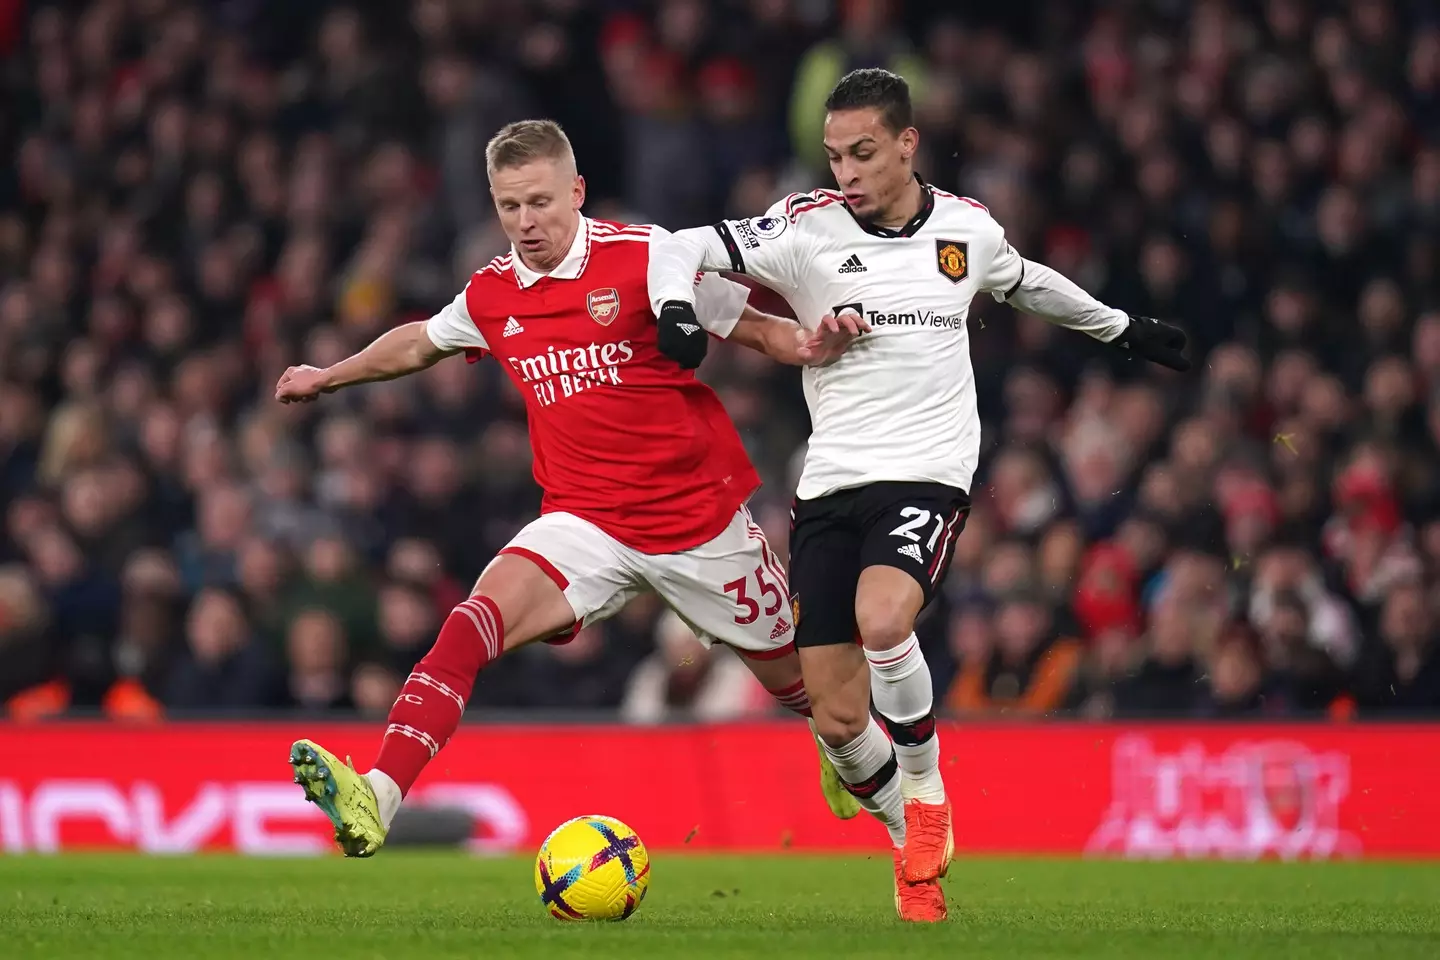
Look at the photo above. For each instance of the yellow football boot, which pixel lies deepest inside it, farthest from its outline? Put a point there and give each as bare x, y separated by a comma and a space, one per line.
346, 797
841, 802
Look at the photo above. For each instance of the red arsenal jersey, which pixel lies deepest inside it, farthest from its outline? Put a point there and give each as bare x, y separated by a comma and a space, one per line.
622, 436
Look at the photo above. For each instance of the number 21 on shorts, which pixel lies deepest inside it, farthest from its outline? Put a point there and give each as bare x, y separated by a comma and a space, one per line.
749, 607
916, 519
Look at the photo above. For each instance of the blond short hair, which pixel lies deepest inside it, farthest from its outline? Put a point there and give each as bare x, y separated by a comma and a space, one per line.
523, 141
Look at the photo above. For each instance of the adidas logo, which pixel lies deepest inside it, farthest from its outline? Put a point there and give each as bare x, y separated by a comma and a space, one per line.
853, 265
689, 329
512, 327
782, 627
912, 551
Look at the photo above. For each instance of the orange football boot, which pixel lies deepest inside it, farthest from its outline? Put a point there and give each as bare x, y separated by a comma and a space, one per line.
922, 902
929, 841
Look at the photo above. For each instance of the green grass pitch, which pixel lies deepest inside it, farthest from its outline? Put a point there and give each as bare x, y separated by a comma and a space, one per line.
445, 905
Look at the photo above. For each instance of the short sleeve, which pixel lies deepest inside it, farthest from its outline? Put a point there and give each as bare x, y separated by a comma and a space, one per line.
452, 329
768, 248
1005, 270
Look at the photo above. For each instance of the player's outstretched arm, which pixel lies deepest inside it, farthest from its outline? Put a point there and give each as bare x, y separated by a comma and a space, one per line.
675, 261
762, 248
788, 342
395, 353
1046, 293
676, 257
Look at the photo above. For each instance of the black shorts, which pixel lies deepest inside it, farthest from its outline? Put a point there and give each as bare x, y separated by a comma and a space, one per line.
908, 525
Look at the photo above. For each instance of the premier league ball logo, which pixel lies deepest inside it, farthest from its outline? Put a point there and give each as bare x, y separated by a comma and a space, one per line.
768, 228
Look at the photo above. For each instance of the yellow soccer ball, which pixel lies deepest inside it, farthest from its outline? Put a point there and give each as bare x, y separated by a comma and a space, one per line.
592, 868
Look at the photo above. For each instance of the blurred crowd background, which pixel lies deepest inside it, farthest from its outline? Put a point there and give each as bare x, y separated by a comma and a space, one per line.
195, 195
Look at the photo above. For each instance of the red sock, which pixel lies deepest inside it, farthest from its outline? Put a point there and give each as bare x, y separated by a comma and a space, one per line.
793, 698
433, 698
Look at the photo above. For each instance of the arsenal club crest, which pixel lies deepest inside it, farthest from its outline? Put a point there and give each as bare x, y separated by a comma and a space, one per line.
603, 304
950, 257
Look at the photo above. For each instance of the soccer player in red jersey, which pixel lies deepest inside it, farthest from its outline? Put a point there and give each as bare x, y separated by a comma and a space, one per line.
645, 479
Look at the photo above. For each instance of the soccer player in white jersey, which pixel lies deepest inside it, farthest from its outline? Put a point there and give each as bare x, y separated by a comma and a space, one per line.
896, 435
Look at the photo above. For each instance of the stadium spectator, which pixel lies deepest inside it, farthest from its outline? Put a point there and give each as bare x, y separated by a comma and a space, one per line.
1235, 677
867, 37
222, 667
373, 689
1028, 668
1402, 671
315, 650
1168, 676
407, 618
1302, 678
22, 631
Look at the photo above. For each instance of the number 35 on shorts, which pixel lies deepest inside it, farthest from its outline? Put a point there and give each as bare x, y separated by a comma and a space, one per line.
762, 591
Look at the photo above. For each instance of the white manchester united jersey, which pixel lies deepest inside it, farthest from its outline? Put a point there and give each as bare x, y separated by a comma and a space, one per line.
900, 404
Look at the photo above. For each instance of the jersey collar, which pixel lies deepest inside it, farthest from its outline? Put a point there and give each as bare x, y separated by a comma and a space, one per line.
568, 269
927, 207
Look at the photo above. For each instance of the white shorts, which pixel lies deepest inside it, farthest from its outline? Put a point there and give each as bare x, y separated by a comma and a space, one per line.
731, 589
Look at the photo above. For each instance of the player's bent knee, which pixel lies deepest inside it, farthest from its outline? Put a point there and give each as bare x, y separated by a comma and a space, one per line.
838, 731
840, 721
884, 622
887, 601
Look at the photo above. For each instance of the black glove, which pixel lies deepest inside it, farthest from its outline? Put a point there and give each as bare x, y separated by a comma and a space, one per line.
1156, 341
680, 337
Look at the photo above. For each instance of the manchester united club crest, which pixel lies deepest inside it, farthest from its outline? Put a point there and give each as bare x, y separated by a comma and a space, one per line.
603, 304
795, 609
950, 257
